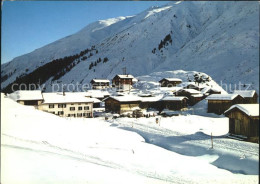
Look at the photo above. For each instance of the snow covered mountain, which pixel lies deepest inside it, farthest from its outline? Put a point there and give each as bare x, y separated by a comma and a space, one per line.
217, 38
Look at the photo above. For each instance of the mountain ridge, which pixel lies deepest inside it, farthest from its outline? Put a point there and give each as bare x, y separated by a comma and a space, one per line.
195, 28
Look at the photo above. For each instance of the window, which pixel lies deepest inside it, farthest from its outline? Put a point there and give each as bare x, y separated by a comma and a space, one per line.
72, 108
79, 108
86, 114
86, 108
61, 105
71, 104
79, 114
52, 112
51, 106
60, 112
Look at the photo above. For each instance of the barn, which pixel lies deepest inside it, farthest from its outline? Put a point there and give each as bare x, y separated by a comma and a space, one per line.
250, 96
174, 102
170, 82
121, 104
244, 120
219, 103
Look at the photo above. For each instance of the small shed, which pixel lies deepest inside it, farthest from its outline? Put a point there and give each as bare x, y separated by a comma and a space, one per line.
250, 96
219, 103
170, 82
121, 104
193, 99
244, 120
174, 102
27, 97
99, 83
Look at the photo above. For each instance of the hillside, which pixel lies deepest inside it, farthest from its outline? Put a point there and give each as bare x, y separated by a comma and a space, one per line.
217, 38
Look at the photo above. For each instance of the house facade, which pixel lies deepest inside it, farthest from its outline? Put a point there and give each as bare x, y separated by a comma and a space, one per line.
121, 104
99, 83
174, 102
67, 105
244, 120
123, 82
170, 82
219, 103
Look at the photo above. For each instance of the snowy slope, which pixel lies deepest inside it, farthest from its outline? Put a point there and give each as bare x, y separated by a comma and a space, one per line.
38, 147
218, 38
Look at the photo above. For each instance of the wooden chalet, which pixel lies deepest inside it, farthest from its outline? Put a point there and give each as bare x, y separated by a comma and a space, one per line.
170, 82
219, 103
193, 99
150, 102
250, 96
27, 97
244, 120
210, 91
123, 82
174, 102
121, 104
99, 83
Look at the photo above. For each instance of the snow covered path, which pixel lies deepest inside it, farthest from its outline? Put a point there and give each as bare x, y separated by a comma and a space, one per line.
37, 147
235, 156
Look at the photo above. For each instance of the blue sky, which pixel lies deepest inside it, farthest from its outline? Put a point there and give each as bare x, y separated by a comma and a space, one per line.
28, 25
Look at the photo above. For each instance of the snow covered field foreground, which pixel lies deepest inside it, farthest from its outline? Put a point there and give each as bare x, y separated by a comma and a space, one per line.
37, 147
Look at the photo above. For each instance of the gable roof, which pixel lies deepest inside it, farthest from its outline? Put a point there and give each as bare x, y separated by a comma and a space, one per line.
174, 98
67, 98
245, 93
171, 79
100, 80
125, 76
26, 95
222, 96
126, 98
249, 109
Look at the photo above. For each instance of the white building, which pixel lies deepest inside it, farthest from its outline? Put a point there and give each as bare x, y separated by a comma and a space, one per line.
67, 105
26, 97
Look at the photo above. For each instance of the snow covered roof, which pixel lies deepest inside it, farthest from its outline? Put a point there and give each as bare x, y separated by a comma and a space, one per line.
95, 100
249, 109
67, 98
126, 98
191, 91
125, 76
207, 89
97, 93
197, 95
173, 98
172, 79
245, 93
100, 80
152, 99
222, 97
26, 95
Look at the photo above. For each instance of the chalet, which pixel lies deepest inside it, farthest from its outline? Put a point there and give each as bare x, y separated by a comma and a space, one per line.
174, 102
150, 102
244, 120
122, 104
123, 82
170, 82
194, 86
250, 96
219, 103
67, 105
99, 83
27, 97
